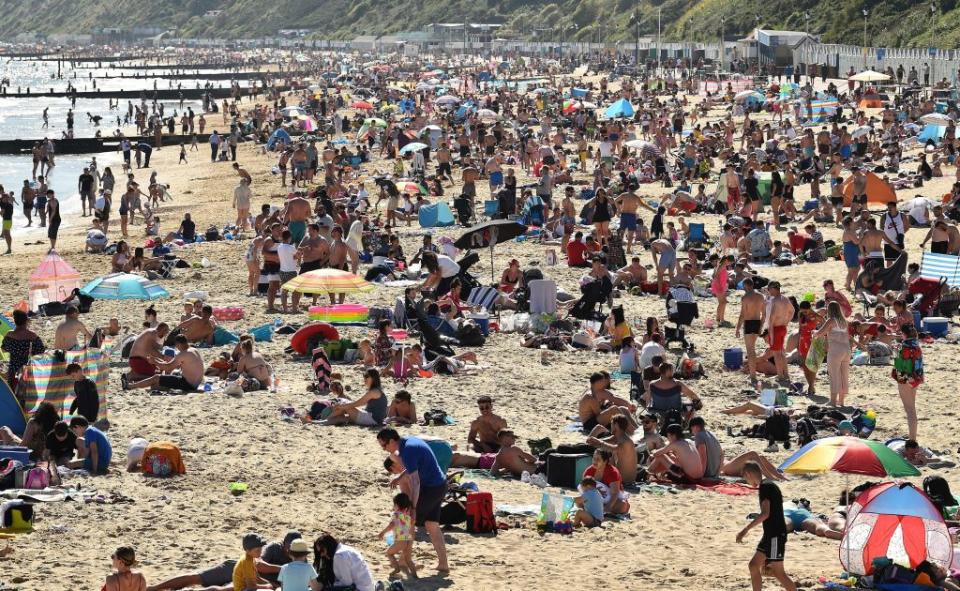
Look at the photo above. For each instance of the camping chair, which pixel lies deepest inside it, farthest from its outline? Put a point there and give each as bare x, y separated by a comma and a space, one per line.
697, 236
681, 310
490, 209
543, 297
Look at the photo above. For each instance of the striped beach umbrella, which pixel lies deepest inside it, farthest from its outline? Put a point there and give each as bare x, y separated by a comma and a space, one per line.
328, 281
848, 455
124, 286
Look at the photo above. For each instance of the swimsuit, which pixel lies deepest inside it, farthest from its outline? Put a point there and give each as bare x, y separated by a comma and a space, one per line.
141, 366
297, 229
486, 461
752, 326
796, 517
778, 335
851, 255
628, 221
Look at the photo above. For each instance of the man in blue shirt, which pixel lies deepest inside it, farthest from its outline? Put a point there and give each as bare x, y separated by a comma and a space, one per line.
430, 484
95, 449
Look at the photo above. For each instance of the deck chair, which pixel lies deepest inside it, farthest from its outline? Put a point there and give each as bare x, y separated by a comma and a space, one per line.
543, 297
484, 297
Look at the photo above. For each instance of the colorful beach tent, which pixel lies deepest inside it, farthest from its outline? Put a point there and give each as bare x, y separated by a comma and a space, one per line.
46, 378
896, 521
878, 191
848, 455
436, 215
11, 414
53, 280
6, 325
281, 136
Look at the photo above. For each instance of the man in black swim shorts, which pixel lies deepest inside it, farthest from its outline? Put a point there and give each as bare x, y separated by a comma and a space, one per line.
752, 312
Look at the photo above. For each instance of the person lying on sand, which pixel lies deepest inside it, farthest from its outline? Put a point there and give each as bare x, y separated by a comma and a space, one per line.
510, 460
711, 455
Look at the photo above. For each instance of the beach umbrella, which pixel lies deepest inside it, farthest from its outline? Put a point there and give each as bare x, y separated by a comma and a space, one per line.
861, 131
489, 234
374, 121
869, 76
447, 99
292, 111
412, 147
848, 455
124, 286
412, 187
308, 124
389, 108
936, 119
327, 281
747, 96
621, 108
362, 105
487, 114
431, 128
896, 521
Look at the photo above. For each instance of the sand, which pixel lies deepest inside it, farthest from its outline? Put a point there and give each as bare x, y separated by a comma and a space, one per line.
317, 479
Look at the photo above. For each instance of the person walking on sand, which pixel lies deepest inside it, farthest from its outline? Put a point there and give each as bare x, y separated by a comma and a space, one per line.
751, 321
838, 352
6, 215
770, 551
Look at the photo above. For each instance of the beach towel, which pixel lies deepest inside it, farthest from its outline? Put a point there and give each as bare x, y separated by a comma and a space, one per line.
816, 354
321, 369
45, 378
222, 336
733, 489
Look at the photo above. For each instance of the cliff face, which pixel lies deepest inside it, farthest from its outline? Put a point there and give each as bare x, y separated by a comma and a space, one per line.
889, 23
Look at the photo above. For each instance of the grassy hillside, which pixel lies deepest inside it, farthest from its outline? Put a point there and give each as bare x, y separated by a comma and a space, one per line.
891, 23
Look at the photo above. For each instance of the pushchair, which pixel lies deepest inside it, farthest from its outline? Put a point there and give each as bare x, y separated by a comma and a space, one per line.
929, 292
890, 278
681, 310
594, 294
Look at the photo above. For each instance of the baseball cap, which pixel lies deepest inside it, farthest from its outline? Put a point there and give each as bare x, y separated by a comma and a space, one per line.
291, 536
251, 541
299, 546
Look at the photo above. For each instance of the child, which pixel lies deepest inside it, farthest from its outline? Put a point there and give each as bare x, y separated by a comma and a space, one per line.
183, 154
245, 575
770, 551
366, 359
87, 401
402, 526
590, 503
153, 226
298, 574
94, 447
61, 443
193, 144
123, 559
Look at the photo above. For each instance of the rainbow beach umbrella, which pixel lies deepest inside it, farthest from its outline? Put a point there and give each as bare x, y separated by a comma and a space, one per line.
327, 281
848, 455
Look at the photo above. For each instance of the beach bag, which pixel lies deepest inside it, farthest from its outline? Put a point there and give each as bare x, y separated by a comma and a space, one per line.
9, 469
479, 509
453, 511
435, 417
816, 354
35, 478
162, 459
806, 431
880, 353
777, 428
554, 508
894, 574
469, 335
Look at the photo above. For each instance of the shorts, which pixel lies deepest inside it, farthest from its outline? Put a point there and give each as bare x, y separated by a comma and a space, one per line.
496, 179
365, 419
797, 517
752, 327
689, 163
845, 151
836, 202
890, 253
778, 334
175, 382
549, 160
773, 548
7, 224
287, 276
270, 272
486, 461
676, 475
53, 228
464, 151
614, 137
218, 576
428, 504
444, 169
667, 260
860, 199
851, 255
297, 230
141, 366
628, 221
308, 266
86, 196
589, 424
808, 152
490, 150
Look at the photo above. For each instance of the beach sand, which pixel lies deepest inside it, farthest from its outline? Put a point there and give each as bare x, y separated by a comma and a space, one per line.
317, 479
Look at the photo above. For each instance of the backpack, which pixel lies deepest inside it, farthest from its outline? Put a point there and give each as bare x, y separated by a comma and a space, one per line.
479, 510
453, 510
162, 459
778, 428
469, 335
436, 417
894, 573
35, 478
806, 431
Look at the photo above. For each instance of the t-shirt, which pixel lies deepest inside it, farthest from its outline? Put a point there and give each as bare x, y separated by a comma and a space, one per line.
96, 238
919, 207
593, 503
797, 242
189, 230
87, 402
649, 351
273, 553
86, 182
6, 211
575, 252
418, 458
610, 474
104, 450
244, 571
774, 524
296, 576
759, 240
288, 263
448, 267
714, 453
61, 449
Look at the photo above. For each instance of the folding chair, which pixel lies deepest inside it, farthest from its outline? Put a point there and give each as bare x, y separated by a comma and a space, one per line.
543, 297
490, 209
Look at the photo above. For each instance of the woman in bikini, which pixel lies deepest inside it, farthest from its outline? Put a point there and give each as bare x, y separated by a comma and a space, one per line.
253, 364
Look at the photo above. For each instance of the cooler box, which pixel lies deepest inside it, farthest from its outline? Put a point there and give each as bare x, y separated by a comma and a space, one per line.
15, 452
482, 321
733, 358
936, 325
566, 470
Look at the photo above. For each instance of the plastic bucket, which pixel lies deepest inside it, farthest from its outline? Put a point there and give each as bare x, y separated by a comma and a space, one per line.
733, 358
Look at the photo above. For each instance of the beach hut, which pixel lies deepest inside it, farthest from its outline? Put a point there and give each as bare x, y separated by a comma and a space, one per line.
52, 281
879, 192
894, 520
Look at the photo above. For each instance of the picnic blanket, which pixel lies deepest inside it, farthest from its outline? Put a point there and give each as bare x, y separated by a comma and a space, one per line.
45, 378
733, 489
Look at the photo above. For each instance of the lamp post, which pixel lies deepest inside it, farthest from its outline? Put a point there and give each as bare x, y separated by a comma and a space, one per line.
571, 30
806, 17
933, 24
636, 26
865, 13
722, 48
